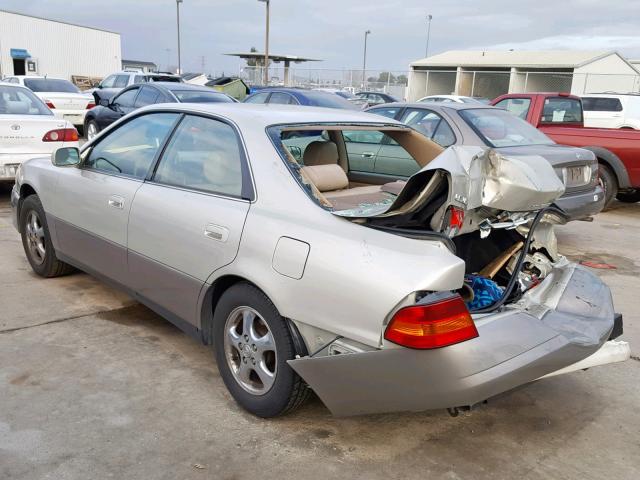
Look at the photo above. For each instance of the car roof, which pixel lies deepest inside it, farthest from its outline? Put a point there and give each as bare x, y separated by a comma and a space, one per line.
184, 86
257, 116
434, 105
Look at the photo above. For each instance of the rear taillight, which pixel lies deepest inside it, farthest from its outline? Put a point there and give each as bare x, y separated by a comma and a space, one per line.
49, 103
90, 105
61, 135
453, 221
434, 325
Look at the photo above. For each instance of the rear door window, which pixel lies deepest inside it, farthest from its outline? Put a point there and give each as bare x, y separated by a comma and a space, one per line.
126, 99
517, 106
558, 110
431, 125
600, 104
147, 96
203, 154
258, 98
130, 149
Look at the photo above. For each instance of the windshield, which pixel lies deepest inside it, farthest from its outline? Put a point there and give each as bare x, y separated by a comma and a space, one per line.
499, 128
50, 85
328, 100
201, 96
20, 101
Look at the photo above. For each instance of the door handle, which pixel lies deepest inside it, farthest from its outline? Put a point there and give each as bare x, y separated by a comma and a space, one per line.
116, 201
216, 232
368, 154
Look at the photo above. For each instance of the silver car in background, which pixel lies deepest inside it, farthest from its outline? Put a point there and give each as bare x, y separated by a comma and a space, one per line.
472, 123
256, 228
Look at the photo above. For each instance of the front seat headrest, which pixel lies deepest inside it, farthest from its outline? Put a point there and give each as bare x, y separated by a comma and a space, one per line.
320, 153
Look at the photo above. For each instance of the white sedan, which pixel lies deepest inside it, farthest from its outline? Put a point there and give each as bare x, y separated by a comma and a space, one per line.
28, 129
63, 98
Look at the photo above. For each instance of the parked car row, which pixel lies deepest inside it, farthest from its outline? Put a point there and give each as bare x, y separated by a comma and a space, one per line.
266, 231
28, 129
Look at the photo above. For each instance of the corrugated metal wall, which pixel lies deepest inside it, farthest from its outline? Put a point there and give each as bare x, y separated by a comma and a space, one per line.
60, 49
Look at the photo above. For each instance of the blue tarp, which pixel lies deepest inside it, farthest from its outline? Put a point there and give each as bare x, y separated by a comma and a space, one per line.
20, 53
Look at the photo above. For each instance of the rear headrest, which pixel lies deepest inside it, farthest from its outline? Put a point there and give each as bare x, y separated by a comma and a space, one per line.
320, 153
326, 178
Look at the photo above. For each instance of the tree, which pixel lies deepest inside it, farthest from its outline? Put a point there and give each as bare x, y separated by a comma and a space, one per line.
386, 77
402, 79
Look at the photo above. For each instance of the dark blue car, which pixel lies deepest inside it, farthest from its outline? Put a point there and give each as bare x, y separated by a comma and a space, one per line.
299, 96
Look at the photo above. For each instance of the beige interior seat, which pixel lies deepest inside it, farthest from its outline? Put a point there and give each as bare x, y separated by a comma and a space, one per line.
321, 166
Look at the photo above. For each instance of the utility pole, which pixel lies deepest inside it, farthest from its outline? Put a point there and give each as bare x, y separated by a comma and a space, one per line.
202, 63
266, 46
429, 17
364, 61
178, 2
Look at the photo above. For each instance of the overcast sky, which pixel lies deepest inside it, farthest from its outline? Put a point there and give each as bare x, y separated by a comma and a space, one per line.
333, 30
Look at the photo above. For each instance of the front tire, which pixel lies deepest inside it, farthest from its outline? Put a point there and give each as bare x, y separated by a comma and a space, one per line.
36, 240
629, 197
609, 184
252, 345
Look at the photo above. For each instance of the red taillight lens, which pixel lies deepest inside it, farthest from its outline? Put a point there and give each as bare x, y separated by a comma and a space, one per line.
90, 105
61, 135
49, 104
433, 325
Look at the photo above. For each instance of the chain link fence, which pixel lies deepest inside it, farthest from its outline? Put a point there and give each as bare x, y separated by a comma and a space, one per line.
414, 85
353, 80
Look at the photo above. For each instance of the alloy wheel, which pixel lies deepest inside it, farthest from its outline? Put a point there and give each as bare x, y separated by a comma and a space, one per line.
250, 350
35, 237
92, 131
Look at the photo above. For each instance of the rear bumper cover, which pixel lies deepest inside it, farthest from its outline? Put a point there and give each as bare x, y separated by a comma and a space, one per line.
583, 204
570, 321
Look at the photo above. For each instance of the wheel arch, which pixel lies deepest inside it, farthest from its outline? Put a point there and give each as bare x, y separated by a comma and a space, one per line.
212, 296
611, 160
26, 190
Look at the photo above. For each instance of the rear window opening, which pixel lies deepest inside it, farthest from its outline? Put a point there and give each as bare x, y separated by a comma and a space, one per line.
353, 170
380, 177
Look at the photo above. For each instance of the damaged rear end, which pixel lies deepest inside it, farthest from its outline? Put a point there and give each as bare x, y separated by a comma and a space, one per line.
521, 312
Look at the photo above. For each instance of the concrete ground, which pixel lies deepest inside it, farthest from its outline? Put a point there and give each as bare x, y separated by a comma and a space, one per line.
93, 385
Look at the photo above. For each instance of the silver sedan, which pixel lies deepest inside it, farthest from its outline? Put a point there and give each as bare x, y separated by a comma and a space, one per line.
258, 230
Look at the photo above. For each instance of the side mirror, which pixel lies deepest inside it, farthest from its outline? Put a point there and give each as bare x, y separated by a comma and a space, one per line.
296, 152
104, 102
65, 157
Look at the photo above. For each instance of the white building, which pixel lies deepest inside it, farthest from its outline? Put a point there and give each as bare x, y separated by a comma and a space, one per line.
38, 46
492, 73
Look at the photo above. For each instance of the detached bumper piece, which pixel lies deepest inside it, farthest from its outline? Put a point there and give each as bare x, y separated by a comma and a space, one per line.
570, 319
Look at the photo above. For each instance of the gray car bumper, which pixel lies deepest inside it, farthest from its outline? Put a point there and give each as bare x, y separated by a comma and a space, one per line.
583, 204
15, 200
573, 320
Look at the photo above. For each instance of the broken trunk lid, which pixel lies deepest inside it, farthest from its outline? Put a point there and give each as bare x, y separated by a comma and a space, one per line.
478, 177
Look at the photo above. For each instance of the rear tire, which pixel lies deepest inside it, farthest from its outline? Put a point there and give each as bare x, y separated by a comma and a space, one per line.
91, 129
629, 197
252, 345
36, 240
609, 184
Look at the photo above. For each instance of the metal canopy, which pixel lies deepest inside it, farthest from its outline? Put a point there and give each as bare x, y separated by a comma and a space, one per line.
20, 54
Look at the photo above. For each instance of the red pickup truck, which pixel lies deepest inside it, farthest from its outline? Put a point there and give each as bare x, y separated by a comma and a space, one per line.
559, 116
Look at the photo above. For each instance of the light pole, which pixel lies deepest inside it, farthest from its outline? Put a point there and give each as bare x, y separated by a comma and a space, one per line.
364, 61
266, 46
429, 17
178, 2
